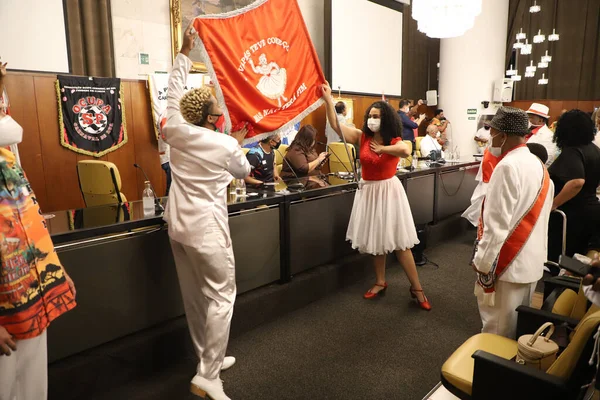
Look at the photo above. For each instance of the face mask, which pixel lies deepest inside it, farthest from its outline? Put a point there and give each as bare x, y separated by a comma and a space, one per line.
374, 124
220, 123
496, 151
10, 132
276, 145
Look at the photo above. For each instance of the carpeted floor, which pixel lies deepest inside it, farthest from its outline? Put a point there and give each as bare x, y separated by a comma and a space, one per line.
344, 347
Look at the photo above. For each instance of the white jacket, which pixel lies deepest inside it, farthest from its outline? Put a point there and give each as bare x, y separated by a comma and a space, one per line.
428, 144
511, 192
203, 163
545, 137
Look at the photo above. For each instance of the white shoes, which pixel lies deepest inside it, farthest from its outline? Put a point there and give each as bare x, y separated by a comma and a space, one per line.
228, 362
208, 388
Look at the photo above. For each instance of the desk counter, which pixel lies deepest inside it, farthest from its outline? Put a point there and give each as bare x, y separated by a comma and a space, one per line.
124, 271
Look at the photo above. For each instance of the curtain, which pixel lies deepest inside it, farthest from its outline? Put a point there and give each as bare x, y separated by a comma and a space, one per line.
573, 72
420, 57
89, 26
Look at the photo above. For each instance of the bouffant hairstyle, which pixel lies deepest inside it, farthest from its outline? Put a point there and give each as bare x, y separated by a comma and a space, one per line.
574, 128
391, 126
195, 105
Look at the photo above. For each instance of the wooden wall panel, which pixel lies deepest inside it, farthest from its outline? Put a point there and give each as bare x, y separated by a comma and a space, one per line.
146, 146
556, 106
124, 157
51, 168
24, 111
60, 163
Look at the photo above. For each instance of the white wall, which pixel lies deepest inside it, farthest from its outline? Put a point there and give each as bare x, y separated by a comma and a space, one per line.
33, 35
469, 65
313, 12
141, 26
360, 24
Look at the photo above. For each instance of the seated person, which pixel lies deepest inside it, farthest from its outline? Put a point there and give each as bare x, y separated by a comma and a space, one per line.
430, 142
302, 156
262, 161
482, 138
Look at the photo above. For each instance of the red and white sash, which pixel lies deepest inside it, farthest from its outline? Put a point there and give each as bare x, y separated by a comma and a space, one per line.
488, 164
515, 240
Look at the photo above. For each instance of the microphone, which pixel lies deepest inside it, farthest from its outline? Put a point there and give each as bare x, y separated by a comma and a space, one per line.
158, 208
291, 169
336, 156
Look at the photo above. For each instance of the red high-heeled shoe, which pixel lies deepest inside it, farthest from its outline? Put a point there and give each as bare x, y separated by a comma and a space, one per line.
425, 305
372, 295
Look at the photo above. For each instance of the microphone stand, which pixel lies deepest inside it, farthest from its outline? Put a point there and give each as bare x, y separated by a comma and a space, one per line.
291, 169
348, 154
158, 208
336, 156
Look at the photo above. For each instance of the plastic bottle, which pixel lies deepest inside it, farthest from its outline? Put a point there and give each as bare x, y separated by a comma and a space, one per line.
240, 188
148, 199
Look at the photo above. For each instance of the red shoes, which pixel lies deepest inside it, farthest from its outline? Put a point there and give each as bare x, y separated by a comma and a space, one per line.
425, 305
372, 295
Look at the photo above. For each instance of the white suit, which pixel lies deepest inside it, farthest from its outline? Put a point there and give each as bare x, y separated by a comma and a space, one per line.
512, 190
545, 137
203, 163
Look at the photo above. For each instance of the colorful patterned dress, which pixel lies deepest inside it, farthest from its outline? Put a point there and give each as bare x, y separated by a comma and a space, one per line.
33, 287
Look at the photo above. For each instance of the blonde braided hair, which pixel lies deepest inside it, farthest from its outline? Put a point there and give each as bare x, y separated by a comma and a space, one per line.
195, 105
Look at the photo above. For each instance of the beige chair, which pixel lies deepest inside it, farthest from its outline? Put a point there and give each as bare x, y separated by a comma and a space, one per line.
418, 146
483, 366
339, 161
100, 183
282, 151
407, 162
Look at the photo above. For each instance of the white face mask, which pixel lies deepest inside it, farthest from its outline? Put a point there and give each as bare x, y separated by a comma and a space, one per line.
496, 151
374, 124
10, 132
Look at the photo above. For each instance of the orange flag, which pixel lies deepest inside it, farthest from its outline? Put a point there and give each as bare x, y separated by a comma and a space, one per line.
263, 65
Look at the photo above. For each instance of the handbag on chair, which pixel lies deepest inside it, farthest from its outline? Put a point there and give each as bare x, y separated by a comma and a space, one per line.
537, 351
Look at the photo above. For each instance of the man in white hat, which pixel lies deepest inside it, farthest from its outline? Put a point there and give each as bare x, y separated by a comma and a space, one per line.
513, 230
540, 132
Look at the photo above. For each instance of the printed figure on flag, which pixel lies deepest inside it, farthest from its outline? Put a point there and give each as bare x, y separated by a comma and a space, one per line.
268, 76
273, 81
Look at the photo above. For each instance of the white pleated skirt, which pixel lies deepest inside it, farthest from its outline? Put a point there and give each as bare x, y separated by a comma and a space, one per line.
381, 220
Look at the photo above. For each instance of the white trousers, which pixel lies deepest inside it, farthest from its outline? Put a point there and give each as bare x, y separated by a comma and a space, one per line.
24, 374
501, 319
207, 280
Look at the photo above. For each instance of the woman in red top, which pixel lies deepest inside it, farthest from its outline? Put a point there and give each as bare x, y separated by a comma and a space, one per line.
381, 220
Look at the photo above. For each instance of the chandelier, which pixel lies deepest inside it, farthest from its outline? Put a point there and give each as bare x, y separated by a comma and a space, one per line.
535, 8
445, 18
525, 48
539, 38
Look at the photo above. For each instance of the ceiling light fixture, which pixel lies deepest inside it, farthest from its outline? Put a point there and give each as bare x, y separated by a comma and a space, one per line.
546, 58
539, 38
535, 8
